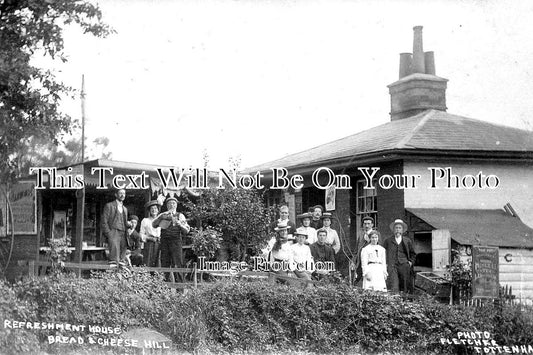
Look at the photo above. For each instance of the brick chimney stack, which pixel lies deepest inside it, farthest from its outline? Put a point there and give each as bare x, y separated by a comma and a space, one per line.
418, 88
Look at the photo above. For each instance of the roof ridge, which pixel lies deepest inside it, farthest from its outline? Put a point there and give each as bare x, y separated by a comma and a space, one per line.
407, 138
492, 123
333, 141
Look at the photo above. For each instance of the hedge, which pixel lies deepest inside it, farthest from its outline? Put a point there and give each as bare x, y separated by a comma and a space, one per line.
250, 317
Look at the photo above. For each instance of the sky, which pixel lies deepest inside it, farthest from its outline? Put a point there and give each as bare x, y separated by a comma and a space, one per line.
258, 80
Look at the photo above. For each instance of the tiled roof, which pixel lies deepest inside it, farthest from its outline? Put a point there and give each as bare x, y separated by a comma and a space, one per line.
429, 130
489, 227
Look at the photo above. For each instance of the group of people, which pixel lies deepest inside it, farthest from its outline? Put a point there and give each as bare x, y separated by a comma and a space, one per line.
159, 241
312, 242
388, 266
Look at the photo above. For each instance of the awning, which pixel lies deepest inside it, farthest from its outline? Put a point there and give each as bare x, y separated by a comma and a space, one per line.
470, 227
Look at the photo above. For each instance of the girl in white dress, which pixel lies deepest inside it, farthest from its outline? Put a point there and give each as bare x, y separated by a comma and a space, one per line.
374, 264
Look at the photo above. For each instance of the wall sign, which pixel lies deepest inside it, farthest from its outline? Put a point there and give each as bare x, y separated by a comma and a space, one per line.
485, 272
24, 207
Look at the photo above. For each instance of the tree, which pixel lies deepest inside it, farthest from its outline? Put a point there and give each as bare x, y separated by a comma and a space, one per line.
41, 152
30, 96
239, 214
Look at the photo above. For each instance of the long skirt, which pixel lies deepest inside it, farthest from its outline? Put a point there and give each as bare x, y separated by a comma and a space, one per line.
374, 279
151, 254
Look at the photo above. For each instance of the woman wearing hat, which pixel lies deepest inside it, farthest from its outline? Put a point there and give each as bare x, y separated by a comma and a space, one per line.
332, 238
281, 251
150, 235
374, 264
306, 228
301, 254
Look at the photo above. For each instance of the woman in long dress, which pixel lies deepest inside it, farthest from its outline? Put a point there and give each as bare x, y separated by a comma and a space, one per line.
374, 264
150, 235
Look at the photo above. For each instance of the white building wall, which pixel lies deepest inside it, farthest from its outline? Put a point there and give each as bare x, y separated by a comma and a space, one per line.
515, 187
517, 272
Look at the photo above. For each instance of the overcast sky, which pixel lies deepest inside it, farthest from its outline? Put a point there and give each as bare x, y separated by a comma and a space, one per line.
262, 79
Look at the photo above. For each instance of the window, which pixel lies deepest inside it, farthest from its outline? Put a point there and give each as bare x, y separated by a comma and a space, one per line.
367, 204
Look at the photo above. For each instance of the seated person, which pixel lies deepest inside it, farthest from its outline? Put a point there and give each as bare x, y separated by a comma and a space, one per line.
333, 238
284, 219
133, 244
323, 253
301, 255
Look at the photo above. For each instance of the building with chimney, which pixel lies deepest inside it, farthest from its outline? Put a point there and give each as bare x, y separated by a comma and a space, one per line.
456, 181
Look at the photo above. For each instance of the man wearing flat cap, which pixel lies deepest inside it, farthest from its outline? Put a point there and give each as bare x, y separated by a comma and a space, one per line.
133, 254
173, 228
401, 257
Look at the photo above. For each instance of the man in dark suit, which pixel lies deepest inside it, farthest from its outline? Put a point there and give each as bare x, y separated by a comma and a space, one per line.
362, 241
322, 252
400, 259
114, 226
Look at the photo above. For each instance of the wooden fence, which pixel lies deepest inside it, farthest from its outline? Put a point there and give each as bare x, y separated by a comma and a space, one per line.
464, 297
179, 278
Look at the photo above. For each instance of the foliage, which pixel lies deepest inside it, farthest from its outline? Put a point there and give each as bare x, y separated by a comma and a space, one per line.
205, 242
30, 96
459, 273
40, 151
16, 341
256, 316
239, 214
59, 251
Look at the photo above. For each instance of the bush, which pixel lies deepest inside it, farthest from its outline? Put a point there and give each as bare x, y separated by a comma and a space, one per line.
229, 317
16, 341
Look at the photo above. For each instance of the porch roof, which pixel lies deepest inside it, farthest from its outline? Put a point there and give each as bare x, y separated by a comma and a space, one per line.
473, 226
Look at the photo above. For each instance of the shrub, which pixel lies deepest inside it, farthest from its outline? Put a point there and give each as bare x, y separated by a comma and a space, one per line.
16, 341
229, 317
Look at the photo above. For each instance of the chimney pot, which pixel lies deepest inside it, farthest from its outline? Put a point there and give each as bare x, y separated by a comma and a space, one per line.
429, 61
418, 51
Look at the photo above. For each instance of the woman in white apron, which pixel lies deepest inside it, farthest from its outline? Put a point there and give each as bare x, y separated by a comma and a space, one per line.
374, 264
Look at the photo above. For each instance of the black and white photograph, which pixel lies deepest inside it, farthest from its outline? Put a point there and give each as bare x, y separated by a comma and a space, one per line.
266, 177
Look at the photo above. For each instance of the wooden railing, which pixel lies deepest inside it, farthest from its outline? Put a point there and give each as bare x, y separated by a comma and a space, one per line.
39, 268
180, 278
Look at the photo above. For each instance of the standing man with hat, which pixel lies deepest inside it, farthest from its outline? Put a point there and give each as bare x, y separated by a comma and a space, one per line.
362, 241
114, 225
173, 228
316, 214
400, 259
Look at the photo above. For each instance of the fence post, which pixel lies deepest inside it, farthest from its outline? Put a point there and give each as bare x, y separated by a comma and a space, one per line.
31, 269
194, 276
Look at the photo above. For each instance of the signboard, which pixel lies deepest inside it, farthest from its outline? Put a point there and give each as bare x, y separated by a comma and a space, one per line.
485, 272
330, 198
22, 198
